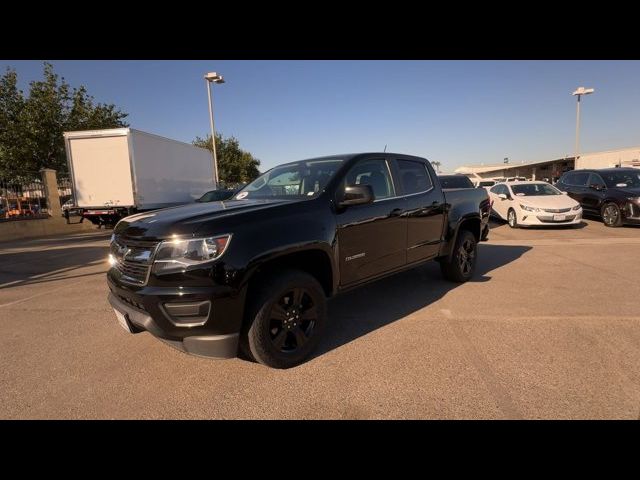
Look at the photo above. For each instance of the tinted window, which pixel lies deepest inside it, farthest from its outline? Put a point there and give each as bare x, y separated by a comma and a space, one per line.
595, 179
414, 177
374, 173
455, 181
495, 189
622, 179
577, 179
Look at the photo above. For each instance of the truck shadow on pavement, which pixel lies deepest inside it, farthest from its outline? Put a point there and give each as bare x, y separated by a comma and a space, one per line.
44, 264
363, 310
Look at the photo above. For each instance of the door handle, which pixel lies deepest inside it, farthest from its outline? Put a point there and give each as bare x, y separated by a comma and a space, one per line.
396, 212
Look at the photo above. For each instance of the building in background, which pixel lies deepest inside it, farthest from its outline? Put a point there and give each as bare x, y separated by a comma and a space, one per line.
551, 170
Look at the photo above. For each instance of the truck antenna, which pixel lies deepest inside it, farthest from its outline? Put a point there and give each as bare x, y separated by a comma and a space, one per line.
385, 147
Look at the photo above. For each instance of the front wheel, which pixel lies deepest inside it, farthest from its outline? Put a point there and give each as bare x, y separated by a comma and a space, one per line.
512, 219
287, 316
611, 215
463, 259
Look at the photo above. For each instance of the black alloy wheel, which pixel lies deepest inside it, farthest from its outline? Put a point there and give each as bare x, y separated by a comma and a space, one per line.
611, 215
292, 319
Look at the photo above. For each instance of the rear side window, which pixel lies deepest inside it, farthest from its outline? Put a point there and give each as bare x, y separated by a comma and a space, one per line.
414, 177
578, 179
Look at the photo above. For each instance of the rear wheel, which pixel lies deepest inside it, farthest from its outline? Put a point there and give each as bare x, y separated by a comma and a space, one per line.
287, 316
611, 215
463, 259
512, 219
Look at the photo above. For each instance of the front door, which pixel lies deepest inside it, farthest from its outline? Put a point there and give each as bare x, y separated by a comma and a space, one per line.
500, 205
372, 238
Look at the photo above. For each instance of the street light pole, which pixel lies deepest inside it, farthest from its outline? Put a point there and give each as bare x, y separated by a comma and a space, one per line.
579, 92
210, 78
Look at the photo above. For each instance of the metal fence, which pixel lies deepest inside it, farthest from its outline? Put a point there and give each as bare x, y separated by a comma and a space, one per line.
65, 190
23, 200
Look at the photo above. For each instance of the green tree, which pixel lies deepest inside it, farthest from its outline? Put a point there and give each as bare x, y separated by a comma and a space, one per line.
234, 164
31, 127
436, 164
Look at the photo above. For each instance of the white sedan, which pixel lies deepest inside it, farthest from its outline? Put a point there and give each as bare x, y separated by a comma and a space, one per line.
533, 203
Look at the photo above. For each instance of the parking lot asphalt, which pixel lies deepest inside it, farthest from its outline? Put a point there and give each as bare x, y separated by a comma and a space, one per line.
549, 327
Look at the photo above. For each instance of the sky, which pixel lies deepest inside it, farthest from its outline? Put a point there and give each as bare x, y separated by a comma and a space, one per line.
454, 112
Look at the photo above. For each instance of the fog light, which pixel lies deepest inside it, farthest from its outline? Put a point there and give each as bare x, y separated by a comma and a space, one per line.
188, 314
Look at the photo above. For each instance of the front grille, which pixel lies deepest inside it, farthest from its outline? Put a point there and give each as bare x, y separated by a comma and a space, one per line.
133, 259
132, 271
557, 210
547, 219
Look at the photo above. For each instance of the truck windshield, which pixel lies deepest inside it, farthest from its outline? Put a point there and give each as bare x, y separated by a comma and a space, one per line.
300, 179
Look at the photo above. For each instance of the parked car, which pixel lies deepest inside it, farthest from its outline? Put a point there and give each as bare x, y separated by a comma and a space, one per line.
533, 203
217, 195
455, 181
486, 184
254, 272
515, 179
611, 193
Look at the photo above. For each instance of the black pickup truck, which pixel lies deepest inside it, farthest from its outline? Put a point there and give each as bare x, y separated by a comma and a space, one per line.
251, 275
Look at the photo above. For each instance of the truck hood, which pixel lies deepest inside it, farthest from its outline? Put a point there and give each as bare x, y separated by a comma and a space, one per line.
186, 219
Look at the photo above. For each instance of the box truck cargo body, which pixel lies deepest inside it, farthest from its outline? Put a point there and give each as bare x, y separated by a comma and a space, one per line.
117, 172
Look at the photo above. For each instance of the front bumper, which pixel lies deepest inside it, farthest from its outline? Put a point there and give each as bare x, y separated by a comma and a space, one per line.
631, 213
546, 219
216, 346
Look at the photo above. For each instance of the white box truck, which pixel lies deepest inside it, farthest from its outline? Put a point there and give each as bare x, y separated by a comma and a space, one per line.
121, 171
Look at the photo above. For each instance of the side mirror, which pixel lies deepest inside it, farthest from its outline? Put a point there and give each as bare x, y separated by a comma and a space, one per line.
502, 196
597, 187
357, 195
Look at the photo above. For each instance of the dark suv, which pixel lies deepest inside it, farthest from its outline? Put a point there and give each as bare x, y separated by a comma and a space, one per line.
612, 193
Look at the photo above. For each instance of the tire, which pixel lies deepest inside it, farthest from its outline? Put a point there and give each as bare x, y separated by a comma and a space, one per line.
485, 234
463, 259
278, 333
512, 218
611, 215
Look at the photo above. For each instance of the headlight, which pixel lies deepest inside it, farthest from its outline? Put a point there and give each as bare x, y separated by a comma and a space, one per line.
178, 255
529, 209
576, 208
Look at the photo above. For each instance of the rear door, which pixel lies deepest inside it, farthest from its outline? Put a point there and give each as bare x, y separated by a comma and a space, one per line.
576, 186
593, 198
425, 207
